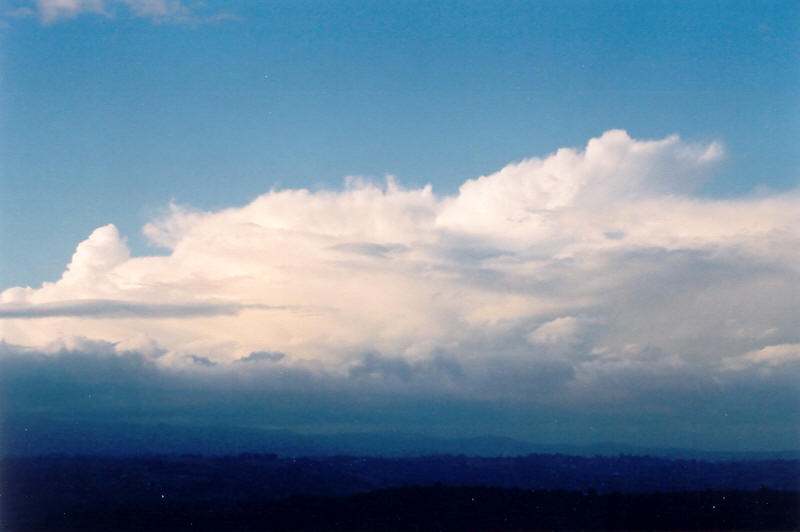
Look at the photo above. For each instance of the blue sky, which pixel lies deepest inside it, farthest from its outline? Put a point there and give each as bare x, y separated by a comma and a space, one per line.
558, 221
108, 119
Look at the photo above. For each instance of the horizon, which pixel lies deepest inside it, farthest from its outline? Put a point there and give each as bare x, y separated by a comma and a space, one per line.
164, 439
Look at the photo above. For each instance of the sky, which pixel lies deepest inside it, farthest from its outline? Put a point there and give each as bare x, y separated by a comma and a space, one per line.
564, 222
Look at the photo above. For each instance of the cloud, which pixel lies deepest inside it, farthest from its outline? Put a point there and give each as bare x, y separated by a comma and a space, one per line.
51, 11
585, 277
88, 385
520, 199
109, 309
769, 356
158, 9
375, 365
566, 329
203, 361
263, 356
20, 12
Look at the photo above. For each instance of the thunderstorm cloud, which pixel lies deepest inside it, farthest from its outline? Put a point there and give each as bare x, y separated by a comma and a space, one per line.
589, 278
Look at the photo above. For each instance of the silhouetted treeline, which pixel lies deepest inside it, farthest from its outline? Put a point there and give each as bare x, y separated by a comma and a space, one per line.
269, 476
264, 492
438, 508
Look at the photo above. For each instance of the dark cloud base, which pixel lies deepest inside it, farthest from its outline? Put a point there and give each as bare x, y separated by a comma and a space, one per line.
98, 401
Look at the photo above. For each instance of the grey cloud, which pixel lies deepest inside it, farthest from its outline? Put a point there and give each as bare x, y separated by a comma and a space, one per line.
614, 235
372, 364
263, 356
529, 399
526, 380
387, 367
368, 249
116, 309
203, 361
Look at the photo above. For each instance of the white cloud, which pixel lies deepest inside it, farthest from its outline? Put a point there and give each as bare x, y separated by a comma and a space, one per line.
51, 11
770, 356
95, 256
586, 264
157, 8
566, 330
520, 200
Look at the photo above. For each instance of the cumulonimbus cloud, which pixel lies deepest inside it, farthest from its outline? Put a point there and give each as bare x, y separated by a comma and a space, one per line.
588, 262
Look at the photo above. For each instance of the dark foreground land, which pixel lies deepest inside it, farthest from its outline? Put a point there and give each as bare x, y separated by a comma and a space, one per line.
449, 493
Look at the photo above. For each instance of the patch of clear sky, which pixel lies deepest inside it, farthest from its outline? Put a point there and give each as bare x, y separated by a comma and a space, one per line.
108, 119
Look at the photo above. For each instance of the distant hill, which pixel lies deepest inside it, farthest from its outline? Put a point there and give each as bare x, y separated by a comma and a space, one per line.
271, 477
39, 437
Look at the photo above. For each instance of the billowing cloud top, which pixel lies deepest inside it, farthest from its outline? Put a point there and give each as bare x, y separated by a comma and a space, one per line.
553, 277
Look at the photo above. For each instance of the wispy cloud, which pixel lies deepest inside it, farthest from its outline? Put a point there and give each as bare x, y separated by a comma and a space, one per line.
20, 12
50, 11
111, 309
159, 11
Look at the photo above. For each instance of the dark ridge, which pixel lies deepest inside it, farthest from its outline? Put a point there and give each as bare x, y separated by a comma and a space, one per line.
271, 477
267, 492
438, 507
